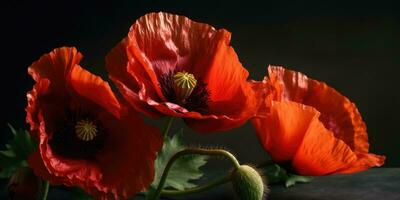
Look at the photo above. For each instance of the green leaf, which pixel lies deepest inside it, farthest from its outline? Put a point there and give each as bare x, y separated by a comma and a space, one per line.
277, 174
293, 179
184, 170
274, 173
16, 153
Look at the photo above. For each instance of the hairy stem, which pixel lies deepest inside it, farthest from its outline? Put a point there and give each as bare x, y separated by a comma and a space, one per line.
44, 190
201, 188
210, 152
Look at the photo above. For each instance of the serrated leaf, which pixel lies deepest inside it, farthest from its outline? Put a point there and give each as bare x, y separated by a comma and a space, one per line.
274, 173
16, 153
183, 171
12, 129
277, 174
8, 171
7, 153
293, 179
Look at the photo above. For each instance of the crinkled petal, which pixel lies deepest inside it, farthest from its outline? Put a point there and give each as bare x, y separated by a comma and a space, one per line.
127, 163
282, 131
293, 133
154, 47
320, 152
105, 175
364, 161
55, 66
108, 176
71, 172
160, 48
94, 89
338, 113
234, 114
135, 100
32, 109
36, 163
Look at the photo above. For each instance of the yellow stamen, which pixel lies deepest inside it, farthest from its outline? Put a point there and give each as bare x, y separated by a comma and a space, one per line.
85, 130
184, 83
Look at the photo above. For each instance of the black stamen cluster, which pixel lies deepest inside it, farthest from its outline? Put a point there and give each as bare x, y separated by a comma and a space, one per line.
66, 143
197, 101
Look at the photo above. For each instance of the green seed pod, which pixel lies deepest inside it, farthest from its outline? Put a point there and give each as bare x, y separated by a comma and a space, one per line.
248, 183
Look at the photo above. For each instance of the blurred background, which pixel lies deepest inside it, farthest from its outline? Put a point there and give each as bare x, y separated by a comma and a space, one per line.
351, 45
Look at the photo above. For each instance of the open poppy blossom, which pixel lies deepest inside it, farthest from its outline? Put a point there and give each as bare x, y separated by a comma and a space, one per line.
86, 136
169, 65
312, 127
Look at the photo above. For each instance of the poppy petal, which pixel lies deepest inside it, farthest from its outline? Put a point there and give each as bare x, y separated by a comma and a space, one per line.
116, 63
154, 48
36, 163
338, 113
132, 155
281, 132
136, 100
225, 74
320, 151
292, 132
55, 66
164, 49
364, 161
32, 109
54, 113
228, 114
94, 89
70, 172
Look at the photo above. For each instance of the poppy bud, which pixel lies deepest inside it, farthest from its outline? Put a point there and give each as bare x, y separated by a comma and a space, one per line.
23, 184
184, 83
247, 183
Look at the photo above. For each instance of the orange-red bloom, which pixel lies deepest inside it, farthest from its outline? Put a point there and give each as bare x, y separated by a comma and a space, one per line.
158, 47
86, 136
312, 126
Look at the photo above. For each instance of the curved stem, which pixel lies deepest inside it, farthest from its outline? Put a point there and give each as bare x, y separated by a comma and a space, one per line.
201, 188
214, 152
44, 190
167, 126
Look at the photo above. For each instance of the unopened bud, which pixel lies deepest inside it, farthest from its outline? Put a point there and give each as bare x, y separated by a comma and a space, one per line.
247, 183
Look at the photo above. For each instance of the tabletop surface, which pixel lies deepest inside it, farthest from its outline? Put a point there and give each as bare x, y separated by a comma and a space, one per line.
382, 183
378, 183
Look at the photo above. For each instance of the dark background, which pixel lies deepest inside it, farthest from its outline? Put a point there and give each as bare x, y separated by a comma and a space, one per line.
351, 45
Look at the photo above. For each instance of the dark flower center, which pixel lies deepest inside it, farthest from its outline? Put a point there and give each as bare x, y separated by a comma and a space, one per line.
185, 90
79, 136
86, 130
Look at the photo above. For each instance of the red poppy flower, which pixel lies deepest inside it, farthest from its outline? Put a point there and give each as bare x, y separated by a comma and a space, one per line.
313, 127
86, 136
169, 65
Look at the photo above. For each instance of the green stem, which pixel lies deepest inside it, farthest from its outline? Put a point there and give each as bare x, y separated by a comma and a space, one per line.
201, 188
208, 185
210, 152
44, 190
167, 126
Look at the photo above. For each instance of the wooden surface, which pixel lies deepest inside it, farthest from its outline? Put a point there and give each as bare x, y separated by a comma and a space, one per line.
373, 184
382, 183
